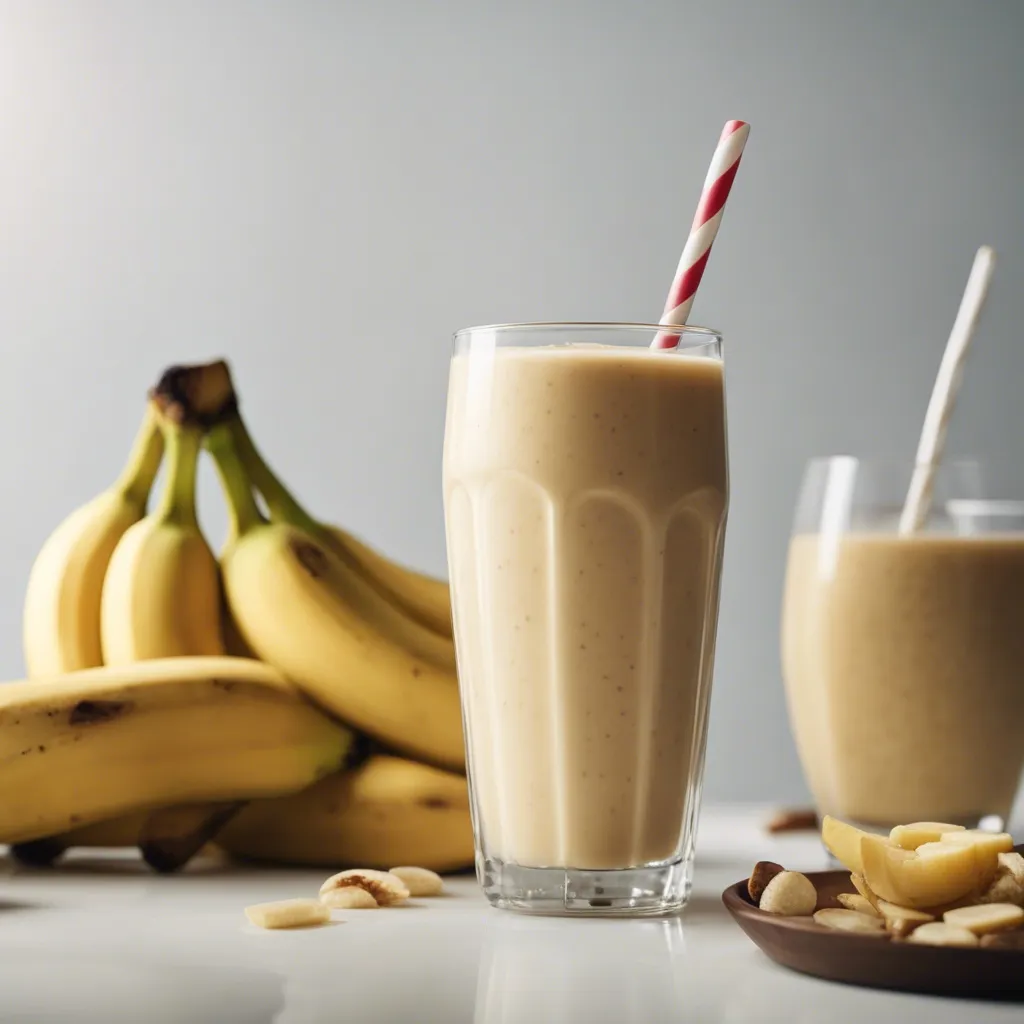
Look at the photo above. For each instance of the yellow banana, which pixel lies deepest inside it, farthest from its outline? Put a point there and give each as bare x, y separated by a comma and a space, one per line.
422, 597
387, 614
62, 603
161, 595
299, 608
106, 742
384, 812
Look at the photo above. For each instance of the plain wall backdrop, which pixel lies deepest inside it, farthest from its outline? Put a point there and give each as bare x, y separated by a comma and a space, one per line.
324, 191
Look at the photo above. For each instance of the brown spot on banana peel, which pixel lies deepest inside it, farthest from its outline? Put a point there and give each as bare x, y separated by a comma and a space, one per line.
434, 802
310, 556
90, 712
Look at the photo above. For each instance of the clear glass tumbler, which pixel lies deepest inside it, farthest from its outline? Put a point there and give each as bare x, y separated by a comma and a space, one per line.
903, 654
586, 489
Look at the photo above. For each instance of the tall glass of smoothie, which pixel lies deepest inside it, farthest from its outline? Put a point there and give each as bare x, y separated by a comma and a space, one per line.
903, 654
586, 489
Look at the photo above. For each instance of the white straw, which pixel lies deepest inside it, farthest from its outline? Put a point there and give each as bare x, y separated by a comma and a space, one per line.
947, 384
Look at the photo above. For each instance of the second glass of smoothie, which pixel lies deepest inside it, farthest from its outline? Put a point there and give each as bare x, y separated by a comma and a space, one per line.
903, 654
586, 489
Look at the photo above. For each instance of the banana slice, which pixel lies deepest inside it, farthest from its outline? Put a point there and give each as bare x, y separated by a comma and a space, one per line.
1013, 865
854, 901
901, 921
938, 933
988, 917
850, 921
299, 913
864, 889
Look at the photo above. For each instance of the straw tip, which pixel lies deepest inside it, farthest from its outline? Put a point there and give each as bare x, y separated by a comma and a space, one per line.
731, 127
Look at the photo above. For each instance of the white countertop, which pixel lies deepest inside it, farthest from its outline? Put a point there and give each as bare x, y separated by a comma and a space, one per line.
103, 939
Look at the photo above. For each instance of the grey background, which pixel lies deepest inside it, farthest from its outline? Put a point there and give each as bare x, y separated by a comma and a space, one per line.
324, 191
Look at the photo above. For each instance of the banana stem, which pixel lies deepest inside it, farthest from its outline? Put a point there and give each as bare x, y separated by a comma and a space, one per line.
279, 499
178, 501
136, 479
243, 511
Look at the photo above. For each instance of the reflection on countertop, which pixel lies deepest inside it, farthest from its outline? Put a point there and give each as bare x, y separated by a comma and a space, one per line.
538, 969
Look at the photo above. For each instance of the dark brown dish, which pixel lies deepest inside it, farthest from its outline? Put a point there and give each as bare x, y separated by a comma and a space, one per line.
802, 945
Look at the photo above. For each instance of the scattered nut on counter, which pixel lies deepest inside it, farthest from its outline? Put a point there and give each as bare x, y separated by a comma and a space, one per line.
793, 820
349, 897
387, 889
419, 881
354, 889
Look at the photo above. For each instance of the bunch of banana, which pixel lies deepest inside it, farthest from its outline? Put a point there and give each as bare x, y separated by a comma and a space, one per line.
113, 588
368, 641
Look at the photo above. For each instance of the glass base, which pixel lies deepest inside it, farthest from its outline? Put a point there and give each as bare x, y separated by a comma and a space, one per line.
644, 891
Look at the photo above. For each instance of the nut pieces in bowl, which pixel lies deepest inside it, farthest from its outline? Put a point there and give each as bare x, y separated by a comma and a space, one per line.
928, 883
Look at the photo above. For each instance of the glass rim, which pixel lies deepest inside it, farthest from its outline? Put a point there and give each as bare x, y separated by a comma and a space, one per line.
708, 334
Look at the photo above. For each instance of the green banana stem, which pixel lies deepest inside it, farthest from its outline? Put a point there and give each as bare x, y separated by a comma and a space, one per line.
243, 512
178, 501
280, 501
136, 479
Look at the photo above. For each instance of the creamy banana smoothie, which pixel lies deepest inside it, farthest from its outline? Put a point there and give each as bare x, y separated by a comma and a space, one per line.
903, 660
585, 495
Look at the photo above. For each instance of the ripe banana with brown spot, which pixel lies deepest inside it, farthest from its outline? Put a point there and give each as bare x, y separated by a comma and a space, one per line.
107, 742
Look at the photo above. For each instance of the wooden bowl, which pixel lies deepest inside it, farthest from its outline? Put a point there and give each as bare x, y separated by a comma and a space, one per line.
802, 945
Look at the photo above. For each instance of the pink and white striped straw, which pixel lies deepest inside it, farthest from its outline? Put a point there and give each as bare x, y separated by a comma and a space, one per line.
706, 222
